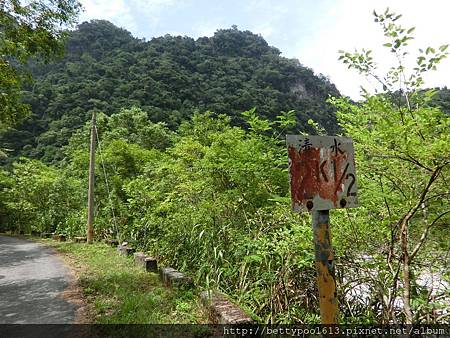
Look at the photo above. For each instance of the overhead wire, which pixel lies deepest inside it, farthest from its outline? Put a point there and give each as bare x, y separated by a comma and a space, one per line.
107, 184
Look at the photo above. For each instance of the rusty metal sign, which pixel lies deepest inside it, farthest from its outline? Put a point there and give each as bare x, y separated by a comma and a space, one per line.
322, 172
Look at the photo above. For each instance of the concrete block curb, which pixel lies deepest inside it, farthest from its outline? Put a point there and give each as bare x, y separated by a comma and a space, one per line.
151, 264
80, 239
221, 310
125, 250
164, 274
148, 263
112, 242
47, 234
60, 238
173, 278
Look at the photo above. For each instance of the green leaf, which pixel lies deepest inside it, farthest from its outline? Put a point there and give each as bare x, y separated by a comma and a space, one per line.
253, 258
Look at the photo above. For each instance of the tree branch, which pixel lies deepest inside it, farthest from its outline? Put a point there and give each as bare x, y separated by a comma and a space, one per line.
409, 159
425, 235
424, 193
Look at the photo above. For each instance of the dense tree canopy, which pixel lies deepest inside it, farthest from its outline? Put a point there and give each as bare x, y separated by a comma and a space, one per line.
207, 192
169, 77
28, 29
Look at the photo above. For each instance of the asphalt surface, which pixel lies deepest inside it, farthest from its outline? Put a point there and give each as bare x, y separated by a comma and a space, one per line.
32, 279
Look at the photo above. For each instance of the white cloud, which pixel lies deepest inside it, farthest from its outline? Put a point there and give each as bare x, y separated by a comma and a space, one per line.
116, 11
124, 13
349, 24
266, 30
205, 29
152, 9
268, 14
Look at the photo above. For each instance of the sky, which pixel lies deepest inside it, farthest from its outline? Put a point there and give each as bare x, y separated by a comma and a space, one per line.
312, 31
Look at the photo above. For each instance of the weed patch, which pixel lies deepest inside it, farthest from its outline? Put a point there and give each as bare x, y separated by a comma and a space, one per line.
120, 292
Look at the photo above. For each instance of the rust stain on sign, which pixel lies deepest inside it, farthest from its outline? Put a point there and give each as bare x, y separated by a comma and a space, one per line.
322, 172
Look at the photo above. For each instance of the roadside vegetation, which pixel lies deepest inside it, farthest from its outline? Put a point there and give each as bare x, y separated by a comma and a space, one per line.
118, 292
211, 198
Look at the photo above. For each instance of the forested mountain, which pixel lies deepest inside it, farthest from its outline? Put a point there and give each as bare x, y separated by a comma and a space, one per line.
208, 193
106, 69
442, 99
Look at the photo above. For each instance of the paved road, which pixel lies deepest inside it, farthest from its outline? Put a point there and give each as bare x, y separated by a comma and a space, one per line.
32, 278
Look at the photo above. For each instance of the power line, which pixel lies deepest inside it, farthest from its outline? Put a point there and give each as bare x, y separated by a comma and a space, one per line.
107, 184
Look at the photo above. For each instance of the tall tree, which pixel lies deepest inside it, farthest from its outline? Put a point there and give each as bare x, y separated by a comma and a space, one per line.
403, 148
28, 29
106, 69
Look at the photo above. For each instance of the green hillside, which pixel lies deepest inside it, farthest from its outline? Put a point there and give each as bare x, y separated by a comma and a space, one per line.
191, 167
106, 69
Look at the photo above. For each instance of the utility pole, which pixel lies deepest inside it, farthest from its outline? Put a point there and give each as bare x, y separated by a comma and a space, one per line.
90, 215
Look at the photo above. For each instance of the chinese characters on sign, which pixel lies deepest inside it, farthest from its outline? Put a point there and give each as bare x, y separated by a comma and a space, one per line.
322, 172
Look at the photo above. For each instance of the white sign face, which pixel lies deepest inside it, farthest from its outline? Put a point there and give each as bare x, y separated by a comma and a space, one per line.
322, 172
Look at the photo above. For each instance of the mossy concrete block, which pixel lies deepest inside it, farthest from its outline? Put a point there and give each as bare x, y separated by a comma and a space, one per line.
173, 278
121, 249
180, 280
221, 310
125, 250
139, 258
80, 239
112, 242
151, 264
148, 263
164, 274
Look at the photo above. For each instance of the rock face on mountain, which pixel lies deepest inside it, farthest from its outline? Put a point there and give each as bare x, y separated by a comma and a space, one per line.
106, 69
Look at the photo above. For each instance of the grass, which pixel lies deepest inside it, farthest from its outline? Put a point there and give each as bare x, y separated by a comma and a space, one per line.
121, 293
